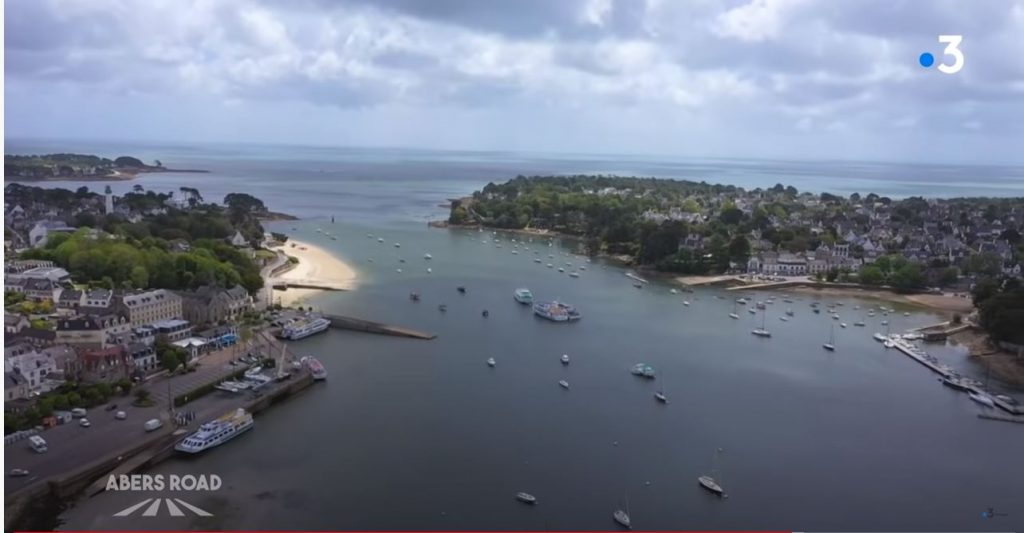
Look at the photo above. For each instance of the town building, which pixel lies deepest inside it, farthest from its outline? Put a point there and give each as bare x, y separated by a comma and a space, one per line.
213, 305
151, 306
92, 331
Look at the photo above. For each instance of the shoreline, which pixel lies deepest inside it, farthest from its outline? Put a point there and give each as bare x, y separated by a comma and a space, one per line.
1004, 365
315, 263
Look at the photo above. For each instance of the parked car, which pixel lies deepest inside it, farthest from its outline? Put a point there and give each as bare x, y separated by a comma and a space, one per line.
78, 412
120, 415
153, 424
84, 423
18, 472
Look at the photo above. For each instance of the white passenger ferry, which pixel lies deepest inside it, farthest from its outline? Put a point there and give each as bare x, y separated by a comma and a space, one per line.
302, 328
216, 432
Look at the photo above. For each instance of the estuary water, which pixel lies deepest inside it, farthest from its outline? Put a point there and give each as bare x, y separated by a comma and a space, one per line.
412, 434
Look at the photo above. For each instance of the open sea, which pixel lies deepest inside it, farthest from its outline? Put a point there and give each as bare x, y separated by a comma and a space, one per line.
423, 435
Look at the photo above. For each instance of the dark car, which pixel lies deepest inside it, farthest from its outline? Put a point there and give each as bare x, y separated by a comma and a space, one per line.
110, 407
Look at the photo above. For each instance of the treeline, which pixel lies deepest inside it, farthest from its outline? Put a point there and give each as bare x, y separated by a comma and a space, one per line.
1000, 304
606, 211
120, 262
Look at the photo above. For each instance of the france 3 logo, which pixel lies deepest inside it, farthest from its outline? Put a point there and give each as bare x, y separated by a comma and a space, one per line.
952, 50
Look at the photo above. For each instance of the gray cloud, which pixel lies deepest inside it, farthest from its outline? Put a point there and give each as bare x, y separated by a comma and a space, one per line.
709, 72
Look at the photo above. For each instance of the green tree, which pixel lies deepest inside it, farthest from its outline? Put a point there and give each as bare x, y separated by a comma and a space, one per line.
907, 278
739, 249
871, 275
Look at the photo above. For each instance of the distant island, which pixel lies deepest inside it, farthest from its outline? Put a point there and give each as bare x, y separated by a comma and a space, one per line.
62, 167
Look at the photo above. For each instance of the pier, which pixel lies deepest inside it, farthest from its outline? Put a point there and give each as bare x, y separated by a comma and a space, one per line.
369, 326
946, 372
285, 284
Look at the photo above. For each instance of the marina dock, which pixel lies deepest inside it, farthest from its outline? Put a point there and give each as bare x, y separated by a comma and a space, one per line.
946, 372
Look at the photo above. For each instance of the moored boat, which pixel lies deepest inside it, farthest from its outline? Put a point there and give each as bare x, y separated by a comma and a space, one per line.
557, 311
315, 367
526, 498
216, 432
523, 296
982, 398
304, 327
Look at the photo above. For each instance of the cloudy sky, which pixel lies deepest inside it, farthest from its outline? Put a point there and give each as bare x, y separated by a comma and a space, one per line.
740, 78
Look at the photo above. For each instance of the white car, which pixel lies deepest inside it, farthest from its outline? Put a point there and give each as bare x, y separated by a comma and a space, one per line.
84, 422
120, 415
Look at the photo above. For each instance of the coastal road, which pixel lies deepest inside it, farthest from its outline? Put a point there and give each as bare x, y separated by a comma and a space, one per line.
72, 446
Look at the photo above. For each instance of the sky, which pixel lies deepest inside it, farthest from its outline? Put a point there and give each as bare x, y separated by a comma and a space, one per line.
704, 78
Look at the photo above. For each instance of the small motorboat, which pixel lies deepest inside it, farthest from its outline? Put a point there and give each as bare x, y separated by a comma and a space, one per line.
686, 303
829, 346
414, 296
380, 239
752, 311
565, 358
442, 308
461, 289
734, 316
842, 324
673, 291
574, 274
398, 245
526, 498
560, 269
982, 398
491, 362
18, 472
660, 396
486, 313
784, 318
564, 384
427, 256
638, 285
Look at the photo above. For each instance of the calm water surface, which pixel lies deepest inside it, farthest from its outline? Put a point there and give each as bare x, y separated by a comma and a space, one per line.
410, 434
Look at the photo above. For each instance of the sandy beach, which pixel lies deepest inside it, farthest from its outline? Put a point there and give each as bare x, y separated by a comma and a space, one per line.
315, 264
938, 302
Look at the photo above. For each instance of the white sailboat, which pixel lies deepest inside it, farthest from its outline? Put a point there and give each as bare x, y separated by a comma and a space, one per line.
831, 344
708, 481
762, 331
621, 517
733, 314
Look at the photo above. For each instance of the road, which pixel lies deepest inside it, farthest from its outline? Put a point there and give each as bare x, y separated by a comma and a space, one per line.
72, 446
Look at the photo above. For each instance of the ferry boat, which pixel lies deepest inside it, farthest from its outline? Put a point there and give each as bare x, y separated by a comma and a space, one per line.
216, 432
557, 311
303, 328
315, 367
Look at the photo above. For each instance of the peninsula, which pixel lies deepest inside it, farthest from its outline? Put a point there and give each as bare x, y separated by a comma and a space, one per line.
79, 167
969, 249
